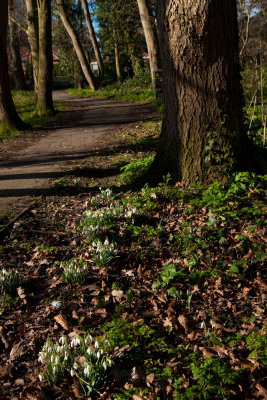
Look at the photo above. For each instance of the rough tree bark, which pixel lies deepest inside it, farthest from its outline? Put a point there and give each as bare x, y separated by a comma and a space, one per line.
33, 36
9, 119
151, 36
77, 45
17, 70
199, 44
93, 37
45, 75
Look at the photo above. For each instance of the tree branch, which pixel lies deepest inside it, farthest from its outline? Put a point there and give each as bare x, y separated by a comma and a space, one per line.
22, 27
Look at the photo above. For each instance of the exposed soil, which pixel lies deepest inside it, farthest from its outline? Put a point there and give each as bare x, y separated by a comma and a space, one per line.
28, 163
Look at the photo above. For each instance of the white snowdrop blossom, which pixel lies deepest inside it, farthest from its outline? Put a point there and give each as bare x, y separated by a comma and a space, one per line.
212, 324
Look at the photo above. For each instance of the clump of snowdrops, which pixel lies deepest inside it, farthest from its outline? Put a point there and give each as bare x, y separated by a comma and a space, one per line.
74, 271
10, 279
84, 359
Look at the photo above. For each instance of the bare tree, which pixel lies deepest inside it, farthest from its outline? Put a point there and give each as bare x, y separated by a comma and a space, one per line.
76, 43
17, 70
93, 37
151, 36
33, 36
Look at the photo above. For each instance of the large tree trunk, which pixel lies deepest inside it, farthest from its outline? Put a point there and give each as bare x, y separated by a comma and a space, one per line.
77, 45
17, 70
151, 36
199, 43
93, 38
45, 76
33, 36
9, 119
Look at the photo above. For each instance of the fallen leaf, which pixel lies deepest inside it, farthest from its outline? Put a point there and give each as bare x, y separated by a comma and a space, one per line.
167, 322
55, 283
150, 379
261, 391
117, 294
21, 294
183, 322
2, 337
19, 382
7, 371
101, 311
77, 391
62, 321
206, 353
16, 351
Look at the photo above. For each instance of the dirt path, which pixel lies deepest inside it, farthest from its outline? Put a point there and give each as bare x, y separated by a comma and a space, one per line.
27, 166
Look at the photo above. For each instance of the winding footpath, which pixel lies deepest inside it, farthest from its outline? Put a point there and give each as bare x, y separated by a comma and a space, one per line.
58, 148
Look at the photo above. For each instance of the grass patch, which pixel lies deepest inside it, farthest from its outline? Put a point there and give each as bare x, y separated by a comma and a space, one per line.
138, 90
25, 103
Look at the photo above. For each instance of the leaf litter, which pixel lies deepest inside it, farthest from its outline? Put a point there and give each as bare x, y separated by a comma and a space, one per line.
183, 302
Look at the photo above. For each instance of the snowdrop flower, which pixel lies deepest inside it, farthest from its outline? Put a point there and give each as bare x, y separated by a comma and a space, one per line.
202, 325
110, 362
87, 370
212, 324
52, 358
65, 356
98, 355
41, 358
54, 370
89, 351
107, 343
106, 242
75, 366
72, 373
101, 352
75, 342
96, 345
56, 360
104, 365
40, 378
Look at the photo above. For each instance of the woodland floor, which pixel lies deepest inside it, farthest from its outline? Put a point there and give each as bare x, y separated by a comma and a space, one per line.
182, 301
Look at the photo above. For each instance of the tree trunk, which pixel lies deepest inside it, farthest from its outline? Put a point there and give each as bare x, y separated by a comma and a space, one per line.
151, 36
77, 45
17, 70
117, 55
93, 38
135, 60
33, 36
45, 76
9, 119
202, 129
